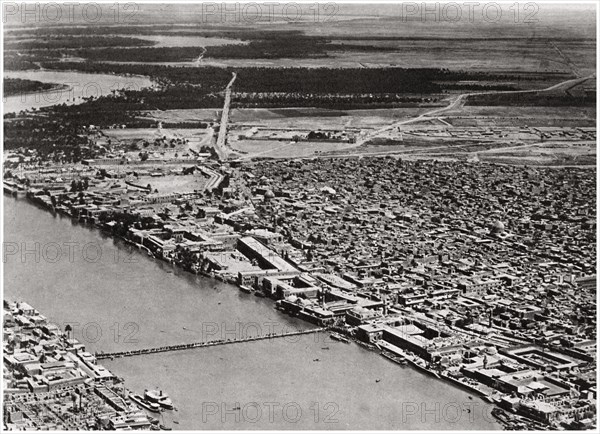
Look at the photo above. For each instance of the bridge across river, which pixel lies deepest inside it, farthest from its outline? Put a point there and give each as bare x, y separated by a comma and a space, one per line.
180, 347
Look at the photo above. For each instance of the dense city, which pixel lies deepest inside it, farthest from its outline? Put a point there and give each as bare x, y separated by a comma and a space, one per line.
478, 274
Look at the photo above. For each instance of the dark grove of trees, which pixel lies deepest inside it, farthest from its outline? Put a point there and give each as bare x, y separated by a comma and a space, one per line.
18, 86
169, 98
297, 80
140, 54
341, 80
68, 42
47, 135
185, 125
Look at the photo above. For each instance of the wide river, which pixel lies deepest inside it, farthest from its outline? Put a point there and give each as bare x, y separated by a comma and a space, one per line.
75, 87
117, 298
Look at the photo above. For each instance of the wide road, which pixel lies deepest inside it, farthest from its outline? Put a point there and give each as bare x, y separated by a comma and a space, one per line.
220, 145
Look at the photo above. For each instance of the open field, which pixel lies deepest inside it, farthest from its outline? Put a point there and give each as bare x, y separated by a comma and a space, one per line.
274, 149
541, 154
173, 183
515, 116
308, 118
538, 135
545, 153
130, 135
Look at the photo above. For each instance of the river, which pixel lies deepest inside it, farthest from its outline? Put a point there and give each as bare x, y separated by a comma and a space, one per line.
117, 298
75, 87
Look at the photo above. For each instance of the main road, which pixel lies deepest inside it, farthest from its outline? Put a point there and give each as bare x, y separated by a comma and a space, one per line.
220, 145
